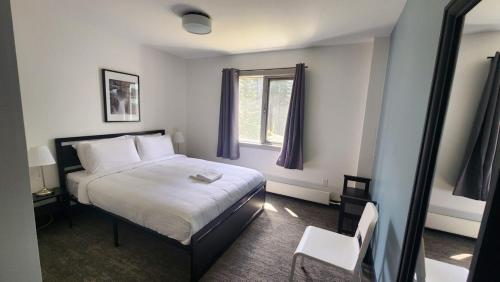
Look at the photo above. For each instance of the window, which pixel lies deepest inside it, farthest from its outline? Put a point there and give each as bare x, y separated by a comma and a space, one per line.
263, 108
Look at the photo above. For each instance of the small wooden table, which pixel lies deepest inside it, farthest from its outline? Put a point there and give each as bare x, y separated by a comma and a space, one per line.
61, 200
352, 203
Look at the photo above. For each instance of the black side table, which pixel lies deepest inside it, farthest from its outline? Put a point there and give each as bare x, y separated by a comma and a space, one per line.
62, 202
352, 203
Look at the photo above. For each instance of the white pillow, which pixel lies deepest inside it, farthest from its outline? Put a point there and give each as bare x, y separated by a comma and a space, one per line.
108, 154
83, 147
154, 147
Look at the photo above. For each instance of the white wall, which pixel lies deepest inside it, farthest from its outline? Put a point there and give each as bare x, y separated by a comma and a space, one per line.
336, 89
60, 57
62, 96
470, 76
18, 246
373, 106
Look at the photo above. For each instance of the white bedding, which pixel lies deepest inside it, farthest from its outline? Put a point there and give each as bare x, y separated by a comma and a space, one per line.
160, 195
73, 179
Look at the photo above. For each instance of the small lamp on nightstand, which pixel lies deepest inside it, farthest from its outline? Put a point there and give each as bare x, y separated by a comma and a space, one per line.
40, 156
179, 139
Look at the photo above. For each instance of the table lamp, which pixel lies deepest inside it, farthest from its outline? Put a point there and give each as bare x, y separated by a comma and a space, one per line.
40, 156
179, 139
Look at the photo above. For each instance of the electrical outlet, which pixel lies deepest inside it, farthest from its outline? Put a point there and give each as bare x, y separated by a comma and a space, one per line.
325, 182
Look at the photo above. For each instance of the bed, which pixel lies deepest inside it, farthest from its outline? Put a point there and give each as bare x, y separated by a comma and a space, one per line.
159, 197
453, 214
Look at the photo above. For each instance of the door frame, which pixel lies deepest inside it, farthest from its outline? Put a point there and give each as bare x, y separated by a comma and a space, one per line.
444, 70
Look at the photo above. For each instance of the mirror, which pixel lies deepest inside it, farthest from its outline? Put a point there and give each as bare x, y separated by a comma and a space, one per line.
468, 160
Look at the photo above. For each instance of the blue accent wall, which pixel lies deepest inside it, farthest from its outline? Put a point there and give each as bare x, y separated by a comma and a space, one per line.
413, 49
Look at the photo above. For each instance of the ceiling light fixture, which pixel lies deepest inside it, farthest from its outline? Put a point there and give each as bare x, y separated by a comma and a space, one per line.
197, 23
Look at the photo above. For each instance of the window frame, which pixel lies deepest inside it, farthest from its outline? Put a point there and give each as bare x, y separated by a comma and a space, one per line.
265, 107
266, 80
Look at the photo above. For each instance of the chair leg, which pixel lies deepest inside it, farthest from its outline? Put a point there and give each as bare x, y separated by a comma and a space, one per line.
292, 271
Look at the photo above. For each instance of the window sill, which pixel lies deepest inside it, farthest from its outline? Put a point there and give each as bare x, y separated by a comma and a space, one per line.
261, 146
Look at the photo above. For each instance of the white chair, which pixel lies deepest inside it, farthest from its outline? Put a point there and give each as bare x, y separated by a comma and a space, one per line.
438, 271
335, 249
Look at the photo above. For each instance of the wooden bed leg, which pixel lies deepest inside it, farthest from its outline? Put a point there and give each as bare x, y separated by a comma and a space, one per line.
115, 232
194, 272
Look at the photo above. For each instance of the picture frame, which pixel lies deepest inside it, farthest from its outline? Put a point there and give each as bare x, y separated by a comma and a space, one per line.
121, 96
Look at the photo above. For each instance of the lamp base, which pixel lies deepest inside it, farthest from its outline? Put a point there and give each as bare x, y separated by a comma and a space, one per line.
44, 192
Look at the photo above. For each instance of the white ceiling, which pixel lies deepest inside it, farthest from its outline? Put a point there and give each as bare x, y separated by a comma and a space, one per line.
484, 17
241, 26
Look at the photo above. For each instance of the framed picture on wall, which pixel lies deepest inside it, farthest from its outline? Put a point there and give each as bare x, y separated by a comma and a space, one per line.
121, 96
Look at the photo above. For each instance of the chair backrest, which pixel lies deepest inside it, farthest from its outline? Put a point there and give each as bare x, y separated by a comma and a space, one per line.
366, 226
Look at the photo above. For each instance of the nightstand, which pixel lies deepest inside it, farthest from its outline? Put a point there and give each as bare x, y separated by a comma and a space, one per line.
57, 201
352, 203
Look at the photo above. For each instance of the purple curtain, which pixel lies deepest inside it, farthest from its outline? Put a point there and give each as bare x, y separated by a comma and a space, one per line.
291, 155
475, 178
228, 146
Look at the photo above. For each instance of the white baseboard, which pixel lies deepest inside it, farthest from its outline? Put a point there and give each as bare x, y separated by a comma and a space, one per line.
453, 225
299, 192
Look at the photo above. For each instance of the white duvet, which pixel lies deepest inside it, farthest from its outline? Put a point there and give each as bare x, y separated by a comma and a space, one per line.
160, 195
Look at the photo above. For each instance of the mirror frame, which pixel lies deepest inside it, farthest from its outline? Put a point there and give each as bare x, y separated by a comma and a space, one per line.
444, 70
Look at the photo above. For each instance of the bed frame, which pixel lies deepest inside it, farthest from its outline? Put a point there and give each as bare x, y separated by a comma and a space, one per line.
207, 244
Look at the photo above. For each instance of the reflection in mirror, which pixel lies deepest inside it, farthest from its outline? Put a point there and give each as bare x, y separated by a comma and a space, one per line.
466, 161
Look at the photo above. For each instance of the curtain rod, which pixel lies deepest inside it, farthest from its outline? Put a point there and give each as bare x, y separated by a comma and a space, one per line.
270, 69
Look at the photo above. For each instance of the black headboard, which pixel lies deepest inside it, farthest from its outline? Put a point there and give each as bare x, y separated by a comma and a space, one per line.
67, 159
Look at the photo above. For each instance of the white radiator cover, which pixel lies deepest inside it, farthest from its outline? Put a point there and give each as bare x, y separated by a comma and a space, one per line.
299, 192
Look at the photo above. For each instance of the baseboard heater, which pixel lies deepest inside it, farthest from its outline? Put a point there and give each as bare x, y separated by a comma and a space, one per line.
299, 192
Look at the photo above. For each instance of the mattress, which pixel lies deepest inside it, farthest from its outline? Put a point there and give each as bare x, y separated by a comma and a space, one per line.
72, 181
161, 196
445, 203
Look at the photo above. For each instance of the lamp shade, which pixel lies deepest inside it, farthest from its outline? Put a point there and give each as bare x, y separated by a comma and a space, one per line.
179, 137
40, 156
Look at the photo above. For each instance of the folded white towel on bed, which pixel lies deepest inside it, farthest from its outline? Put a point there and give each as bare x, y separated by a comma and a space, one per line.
207, 175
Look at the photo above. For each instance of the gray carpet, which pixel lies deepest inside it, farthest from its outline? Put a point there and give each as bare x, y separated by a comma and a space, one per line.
448, 247
263, 252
